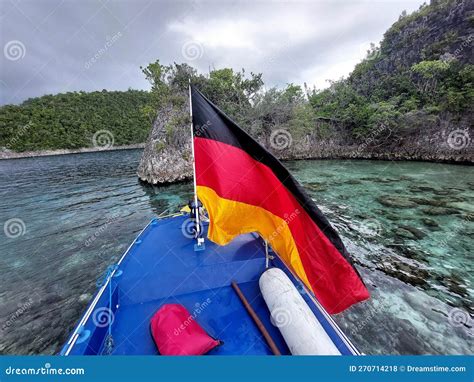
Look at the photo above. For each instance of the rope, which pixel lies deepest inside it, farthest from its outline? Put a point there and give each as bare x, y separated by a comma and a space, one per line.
106, 275
109, 341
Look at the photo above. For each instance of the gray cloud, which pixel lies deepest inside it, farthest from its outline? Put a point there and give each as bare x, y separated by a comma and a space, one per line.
53, 46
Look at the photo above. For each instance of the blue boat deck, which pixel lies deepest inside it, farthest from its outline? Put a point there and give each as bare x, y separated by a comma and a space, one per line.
162, 267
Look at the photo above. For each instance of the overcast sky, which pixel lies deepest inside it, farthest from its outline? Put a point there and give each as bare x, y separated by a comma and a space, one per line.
55, 46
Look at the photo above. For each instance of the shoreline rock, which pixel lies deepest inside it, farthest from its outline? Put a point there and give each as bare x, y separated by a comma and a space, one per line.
167, 154
7, 154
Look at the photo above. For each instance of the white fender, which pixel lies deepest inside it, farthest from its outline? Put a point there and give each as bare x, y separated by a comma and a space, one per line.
301, 330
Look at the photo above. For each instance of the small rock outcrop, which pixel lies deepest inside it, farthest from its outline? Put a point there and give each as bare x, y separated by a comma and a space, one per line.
167, 154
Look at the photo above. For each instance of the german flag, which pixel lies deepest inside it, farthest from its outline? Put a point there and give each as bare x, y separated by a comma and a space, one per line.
246, 189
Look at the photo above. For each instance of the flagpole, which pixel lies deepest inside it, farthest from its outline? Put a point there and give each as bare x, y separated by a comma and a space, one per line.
198, 225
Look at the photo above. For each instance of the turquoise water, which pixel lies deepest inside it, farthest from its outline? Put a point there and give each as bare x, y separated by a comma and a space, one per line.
408, 225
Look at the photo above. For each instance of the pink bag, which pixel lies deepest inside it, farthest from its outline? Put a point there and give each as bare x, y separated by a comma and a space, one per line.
176, 332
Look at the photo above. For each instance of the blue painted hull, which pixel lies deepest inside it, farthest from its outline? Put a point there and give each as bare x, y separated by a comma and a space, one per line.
162, 267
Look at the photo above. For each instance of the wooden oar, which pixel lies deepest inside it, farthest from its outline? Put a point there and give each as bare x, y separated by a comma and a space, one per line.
257, 320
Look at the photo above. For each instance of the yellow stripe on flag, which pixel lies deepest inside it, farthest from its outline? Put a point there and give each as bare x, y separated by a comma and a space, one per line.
229, 218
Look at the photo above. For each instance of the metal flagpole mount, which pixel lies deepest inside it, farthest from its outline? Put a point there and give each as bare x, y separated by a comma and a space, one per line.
199, 246
268, 257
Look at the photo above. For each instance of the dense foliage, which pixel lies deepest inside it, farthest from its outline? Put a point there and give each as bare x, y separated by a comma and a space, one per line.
401, 78
69, 121
239, 94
